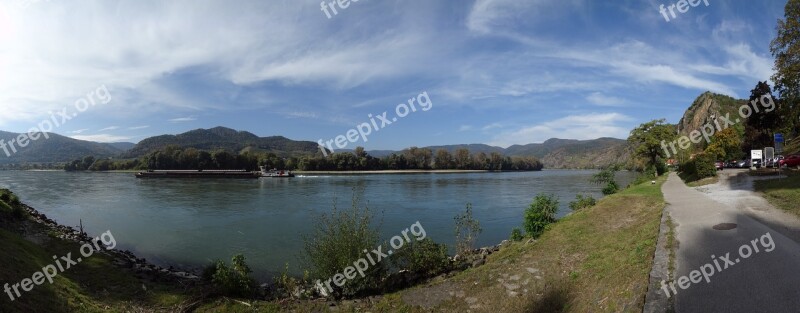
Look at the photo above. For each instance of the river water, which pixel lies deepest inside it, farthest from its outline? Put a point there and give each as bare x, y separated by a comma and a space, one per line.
189, 223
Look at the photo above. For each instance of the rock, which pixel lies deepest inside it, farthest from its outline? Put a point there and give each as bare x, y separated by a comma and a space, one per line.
478, 263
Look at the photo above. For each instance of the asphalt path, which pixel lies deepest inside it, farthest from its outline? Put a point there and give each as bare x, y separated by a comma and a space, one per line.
728, 260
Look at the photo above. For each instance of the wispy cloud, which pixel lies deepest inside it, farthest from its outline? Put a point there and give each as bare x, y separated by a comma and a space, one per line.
138, 127
102, 138
108, 128
182, 119
464, 128
79, 131
600, 99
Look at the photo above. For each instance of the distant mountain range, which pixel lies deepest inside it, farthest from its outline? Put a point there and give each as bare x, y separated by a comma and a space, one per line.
57, 148
554, 153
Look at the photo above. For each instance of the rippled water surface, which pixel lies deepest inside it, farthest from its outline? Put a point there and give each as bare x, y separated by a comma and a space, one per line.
191, 222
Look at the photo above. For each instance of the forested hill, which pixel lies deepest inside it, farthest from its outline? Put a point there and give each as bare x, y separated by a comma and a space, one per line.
560, 153
225, 139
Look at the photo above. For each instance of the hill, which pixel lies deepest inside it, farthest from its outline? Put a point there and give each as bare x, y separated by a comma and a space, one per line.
554, 153
706, 108
226, 139
57, 148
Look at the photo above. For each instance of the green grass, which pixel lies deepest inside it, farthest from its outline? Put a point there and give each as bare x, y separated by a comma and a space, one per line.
783, 193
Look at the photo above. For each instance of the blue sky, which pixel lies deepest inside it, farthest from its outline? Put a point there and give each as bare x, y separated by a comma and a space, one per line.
500, 72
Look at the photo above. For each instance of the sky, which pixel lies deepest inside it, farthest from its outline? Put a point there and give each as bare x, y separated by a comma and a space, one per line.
499, 72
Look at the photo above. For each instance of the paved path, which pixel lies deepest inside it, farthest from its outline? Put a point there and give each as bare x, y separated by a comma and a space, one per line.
763, 282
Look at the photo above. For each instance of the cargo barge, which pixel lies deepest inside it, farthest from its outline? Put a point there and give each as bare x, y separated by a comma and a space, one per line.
199, 174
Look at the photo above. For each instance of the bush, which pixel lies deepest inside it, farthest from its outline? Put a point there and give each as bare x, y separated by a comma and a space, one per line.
424, 257
10, 203
700, 167
541, 213
467, 229
516, 234
234, 280
339, 239
610, 189
582, 202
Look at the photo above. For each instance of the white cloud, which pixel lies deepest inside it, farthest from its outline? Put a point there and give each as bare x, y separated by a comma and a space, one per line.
79, 131
491, 126
464, 128
138, 127
581, 127
600, 99
102, 138
109, 128
182, 119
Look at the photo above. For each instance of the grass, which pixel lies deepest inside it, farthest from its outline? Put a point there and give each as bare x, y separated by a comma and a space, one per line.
783, 193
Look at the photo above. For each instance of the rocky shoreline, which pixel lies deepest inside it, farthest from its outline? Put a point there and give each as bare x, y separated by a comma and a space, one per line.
152, 272
122, 258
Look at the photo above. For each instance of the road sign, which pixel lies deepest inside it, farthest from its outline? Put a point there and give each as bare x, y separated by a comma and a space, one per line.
769, 153
778, 148
778, 137
755, 154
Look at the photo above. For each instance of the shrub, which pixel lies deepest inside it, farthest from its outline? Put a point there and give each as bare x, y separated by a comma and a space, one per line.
541, 213
516, 234
339, 239
610, 189
289, 284
607, 176
234, 280
466, 230
423, 257
582, 202
700, 167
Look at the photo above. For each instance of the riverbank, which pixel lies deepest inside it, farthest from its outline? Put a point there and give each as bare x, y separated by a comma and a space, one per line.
107, 280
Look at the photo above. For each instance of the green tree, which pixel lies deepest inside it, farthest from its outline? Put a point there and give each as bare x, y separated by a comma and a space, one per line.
785, 48
443, 160
647, 140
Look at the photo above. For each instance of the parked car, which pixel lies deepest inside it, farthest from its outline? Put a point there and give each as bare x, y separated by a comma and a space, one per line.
719, 165
744, 164
791, 161
756, 163
732, 164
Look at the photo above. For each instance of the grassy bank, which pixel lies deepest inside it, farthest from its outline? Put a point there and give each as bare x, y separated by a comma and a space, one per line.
783, 193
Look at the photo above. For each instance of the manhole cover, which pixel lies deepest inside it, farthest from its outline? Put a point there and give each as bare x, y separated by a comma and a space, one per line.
725, 226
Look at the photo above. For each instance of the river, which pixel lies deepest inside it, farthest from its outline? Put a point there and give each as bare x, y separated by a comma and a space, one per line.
189, 223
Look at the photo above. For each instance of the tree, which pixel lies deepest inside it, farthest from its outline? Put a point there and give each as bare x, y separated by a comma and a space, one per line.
785, 48
463, 159
648, 138
725, 145
443, 160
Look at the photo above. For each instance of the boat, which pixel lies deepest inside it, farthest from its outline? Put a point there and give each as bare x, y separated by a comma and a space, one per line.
275, 173
198, 174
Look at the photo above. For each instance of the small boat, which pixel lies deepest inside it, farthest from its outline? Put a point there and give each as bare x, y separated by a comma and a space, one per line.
275, 173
